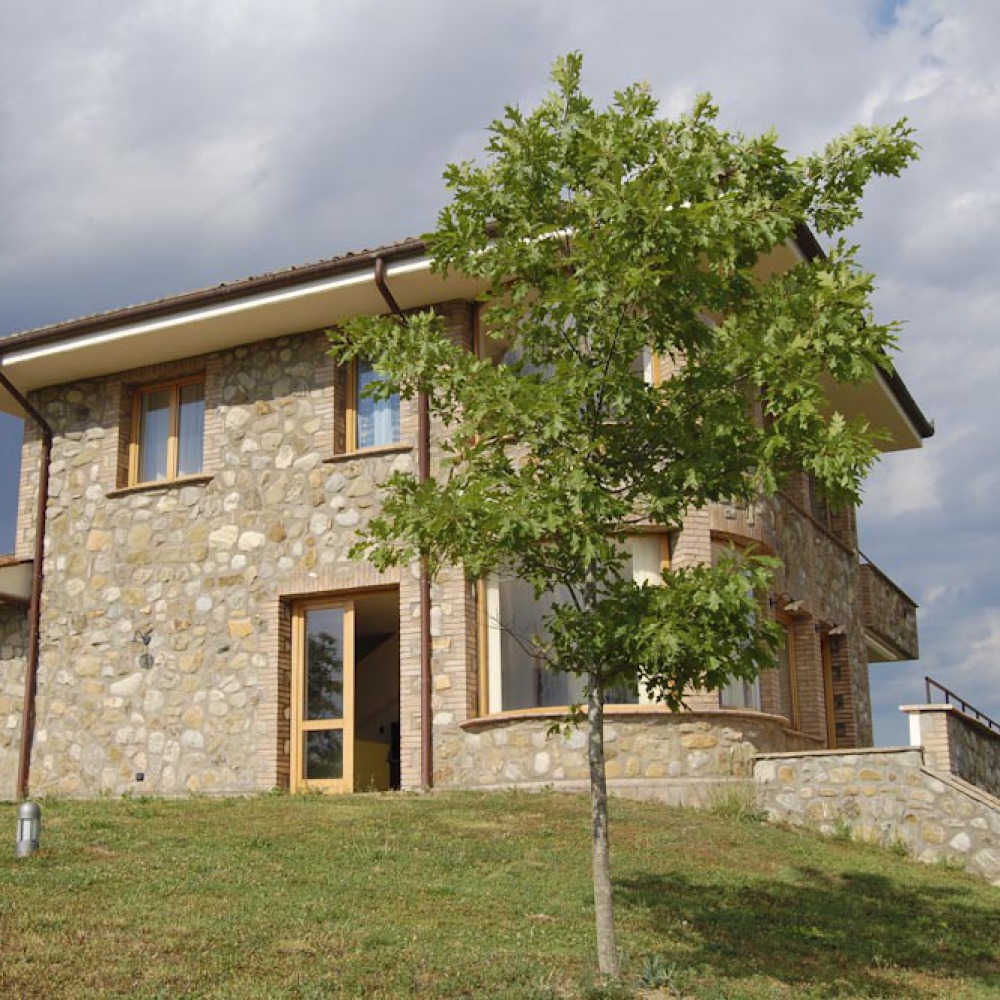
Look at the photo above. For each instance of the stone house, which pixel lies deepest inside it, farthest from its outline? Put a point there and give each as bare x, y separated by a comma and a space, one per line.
181, 613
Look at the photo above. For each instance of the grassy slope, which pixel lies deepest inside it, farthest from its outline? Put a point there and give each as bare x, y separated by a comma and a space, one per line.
470, 896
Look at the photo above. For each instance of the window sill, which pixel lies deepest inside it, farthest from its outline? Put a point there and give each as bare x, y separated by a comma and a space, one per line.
620, 711
160, 484
399, 448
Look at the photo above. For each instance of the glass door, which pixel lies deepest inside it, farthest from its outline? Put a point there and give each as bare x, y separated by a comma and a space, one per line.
323, 697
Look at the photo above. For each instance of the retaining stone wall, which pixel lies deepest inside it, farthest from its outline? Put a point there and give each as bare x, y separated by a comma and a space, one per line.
886, 797
676, 757
957, 743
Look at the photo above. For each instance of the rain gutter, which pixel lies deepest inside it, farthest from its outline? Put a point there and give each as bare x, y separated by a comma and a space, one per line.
35, 600
423, 474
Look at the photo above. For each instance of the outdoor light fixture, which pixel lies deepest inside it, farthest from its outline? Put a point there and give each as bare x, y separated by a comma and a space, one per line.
29, 828
792, 606
145, 657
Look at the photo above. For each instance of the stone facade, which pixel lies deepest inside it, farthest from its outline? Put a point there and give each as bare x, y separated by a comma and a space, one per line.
956, 743
889, 613
885, 797
13, 646
680, 758
210, 568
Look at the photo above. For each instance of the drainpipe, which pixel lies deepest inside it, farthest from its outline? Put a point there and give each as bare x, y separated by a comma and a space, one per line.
35, 602
423, 474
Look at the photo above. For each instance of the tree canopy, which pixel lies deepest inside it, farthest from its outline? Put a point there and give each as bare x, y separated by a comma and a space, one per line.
605, 236
608, 238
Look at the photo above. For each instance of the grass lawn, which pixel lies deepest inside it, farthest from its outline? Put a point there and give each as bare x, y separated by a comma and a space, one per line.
466, 895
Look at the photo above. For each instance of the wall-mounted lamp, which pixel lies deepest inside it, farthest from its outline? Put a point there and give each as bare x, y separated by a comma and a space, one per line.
837, 630
29, 828
145, 657
792, 606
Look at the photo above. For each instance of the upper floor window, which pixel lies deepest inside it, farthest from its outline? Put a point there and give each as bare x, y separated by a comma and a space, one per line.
168, 424
371, 423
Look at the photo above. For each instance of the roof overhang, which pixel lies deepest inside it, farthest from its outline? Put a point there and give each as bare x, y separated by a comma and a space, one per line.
883, 401
128, 339
15, 581
322, 295
882, 408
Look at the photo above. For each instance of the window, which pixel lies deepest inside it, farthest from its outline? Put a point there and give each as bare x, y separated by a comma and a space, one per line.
738, 693
168, 423
741, 694
515, 674
371, 423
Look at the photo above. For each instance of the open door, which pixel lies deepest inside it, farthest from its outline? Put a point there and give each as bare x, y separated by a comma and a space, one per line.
345, 725
322, 755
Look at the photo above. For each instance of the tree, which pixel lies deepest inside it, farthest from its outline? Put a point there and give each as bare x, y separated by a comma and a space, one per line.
604, 234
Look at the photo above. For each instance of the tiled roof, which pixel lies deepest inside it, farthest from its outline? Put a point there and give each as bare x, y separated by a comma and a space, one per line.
240, 288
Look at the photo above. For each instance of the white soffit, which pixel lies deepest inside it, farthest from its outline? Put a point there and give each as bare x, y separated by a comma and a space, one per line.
294, 309
15, 582
877, 403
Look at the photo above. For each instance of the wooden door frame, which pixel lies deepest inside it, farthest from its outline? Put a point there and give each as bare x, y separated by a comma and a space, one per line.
787, 622
826, 662
300, 726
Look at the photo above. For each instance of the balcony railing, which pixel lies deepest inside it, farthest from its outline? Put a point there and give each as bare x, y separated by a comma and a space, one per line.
950, 698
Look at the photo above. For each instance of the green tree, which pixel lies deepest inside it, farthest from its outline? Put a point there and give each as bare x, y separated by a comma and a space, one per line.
603, 234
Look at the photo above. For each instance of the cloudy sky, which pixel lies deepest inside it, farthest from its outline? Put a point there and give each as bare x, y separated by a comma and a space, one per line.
152, 146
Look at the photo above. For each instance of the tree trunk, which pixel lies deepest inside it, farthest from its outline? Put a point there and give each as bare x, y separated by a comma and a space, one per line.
604, 913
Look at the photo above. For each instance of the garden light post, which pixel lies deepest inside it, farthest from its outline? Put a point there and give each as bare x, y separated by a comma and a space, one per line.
29, 828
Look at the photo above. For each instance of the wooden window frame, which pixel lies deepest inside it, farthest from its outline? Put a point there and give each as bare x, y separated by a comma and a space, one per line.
173, 435
787, 622
351, 414
826, 664
487, 594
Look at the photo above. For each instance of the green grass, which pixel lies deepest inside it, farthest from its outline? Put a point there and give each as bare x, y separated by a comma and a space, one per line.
470, 896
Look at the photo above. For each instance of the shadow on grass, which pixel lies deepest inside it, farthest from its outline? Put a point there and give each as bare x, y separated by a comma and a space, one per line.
855, 932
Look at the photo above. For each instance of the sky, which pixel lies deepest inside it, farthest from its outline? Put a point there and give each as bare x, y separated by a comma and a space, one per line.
155, 146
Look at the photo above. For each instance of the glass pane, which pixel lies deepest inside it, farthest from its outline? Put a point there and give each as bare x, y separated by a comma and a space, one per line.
154, 433
190, 432
741, 694
378, 419
526, 681
324, 687
323, 754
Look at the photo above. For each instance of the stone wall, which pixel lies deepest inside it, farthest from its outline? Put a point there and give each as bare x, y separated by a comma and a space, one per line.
889, 613
675, 757
886, 797
820, 575
13, 650
209, 566
955, 742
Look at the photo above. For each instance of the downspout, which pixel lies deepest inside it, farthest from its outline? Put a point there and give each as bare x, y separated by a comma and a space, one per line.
423, 474
35, 601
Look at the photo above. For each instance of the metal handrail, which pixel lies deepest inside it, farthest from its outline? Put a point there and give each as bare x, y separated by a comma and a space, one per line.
950, 698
